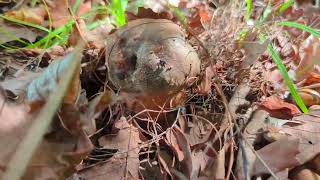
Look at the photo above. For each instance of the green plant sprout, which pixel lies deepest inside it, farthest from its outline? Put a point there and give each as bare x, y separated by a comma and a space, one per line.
117, 9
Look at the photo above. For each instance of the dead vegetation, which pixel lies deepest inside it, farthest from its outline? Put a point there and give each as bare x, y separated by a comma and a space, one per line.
159, 90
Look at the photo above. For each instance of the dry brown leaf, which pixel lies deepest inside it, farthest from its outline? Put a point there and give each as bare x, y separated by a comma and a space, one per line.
312, 78
278, 108
309, 54
127, 142
56, 157
74, 88
305, 174
10, 32
307, 133
95, 38
60, 14
114, 168
278, 155
253, 49
14, 120
30, 15
206, 82
39, 89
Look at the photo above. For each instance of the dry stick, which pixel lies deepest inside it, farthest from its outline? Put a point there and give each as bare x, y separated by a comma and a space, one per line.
35, 133
228, 119
127, 155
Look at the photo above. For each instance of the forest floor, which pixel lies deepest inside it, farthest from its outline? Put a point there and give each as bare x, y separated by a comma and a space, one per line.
178, 89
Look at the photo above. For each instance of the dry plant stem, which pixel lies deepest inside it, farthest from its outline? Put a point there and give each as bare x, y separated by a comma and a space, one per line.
77, 24
238, 128
127, 155
34, 135
231, 160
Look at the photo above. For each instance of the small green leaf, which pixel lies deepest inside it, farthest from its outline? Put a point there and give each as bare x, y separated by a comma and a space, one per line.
285, 6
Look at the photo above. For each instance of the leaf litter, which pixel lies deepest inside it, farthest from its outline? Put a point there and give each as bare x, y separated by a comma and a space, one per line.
132, 110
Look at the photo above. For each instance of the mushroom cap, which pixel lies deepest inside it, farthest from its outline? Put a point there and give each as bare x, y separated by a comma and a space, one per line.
150, 61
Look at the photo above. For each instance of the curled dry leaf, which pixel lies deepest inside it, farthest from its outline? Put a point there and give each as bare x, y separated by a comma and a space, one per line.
40, 88
278, 108
309, 54
127, 142
151, 68
309, 96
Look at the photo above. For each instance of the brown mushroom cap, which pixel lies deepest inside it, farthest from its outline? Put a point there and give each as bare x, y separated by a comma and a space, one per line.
150, 61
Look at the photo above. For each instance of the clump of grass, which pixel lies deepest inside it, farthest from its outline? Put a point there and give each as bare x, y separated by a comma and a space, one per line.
60, 35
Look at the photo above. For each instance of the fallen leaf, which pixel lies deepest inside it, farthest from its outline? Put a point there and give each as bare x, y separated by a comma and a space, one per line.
278, 155
278, 108
96, 38
30, 15
305, 174
114, 168
307, 133
59, 11
311, 78
309, 54
252, 47
127, 142
206, 82
55, 157
40, 88
12, 32
14, 120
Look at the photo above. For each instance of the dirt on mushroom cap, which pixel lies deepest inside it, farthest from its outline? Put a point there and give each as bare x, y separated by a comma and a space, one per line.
150, 60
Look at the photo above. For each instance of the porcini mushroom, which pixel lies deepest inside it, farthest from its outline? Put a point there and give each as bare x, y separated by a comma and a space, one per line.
151, 62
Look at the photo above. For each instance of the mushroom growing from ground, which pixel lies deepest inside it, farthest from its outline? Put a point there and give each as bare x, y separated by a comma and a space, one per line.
151, 63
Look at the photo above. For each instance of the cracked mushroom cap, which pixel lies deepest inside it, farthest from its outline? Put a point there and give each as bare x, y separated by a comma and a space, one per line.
150, 61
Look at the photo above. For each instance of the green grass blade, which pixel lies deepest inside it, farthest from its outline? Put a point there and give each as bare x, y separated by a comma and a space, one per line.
117, 9
299, 26
9, 34
287, 79
266, 13
53, 34
285, 6
76, 6
248, 10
